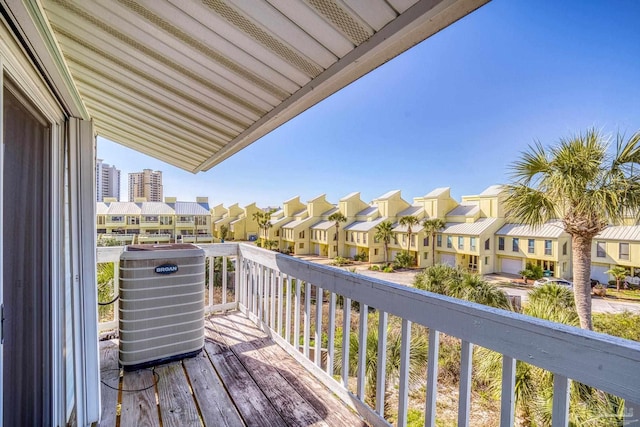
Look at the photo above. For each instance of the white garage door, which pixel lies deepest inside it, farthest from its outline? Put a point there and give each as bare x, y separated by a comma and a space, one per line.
353, 251
511, 266
598, 273
316, 248
449, 259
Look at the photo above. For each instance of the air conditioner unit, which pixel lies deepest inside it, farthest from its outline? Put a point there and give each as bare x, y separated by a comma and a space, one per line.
161, 304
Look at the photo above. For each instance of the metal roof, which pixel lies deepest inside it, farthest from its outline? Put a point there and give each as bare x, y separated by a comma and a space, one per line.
123, 208
620, 232
364, 225
403, 228
323, 225
551, 230
368, 211
190, 208
469, 228
156, 208
193, 82
436, 192
411, 210
388, 195
464, 209
294, 224
493, 190
101, 208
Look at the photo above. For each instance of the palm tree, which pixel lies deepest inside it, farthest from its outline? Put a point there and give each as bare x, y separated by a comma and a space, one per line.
263, 219
586, 187
619, 273
337, 217
384, 233
431, 227
409, 221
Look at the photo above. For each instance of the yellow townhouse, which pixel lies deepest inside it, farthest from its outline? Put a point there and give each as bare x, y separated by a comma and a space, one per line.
122, 221
296, 233
617, 245
547, 246
360, 234
193, 220
401, 240
233, 212
467, 239
157, 223
245, 227
217, 212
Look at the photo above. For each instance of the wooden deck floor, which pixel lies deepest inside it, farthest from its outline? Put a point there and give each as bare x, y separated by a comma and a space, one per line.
242, 378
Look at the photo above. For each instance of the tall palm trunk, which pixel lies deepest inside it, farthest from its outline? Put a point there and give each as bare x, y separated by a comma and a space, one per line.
581, 248
386, 249
433, 248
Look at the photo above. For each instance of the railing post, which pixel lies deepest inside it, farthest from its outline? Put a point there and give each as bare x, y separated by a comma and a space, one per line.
296, 317
224, 280
432, 378
307, 319
318, 329
212, 272
116, 293
403, 389
287, 318
382, 362
362, 349
346, 339
507, 401
464, 396
560, 408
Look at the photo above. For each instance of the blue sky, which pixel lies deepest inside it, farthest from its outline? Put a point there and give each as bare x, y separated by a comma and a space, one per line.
453, 111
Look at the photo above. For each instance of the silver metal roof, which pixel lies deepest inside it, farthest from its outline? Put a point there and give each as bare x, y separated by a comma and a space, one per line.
364, 225
551, 230
191, 208
403, 228
388, 195
296, 223
493, 190
123, 208
436, 192
323, 225
620, 232
156, 208
464, 209
368, 211
469, 228
193, 82
411, 210
101, 208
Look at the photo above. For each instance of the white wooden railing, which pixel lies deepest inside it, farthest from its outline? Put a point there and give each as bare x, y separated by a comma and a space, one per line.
267, 293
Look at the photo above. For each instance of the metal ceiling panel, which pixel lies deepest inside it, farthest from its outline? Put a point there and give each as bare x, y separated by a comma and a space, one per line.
193, 82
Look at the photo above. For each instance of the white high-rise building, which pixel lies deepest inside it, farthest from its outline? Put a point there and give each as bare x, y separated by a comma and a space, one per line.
147, 184
107, 181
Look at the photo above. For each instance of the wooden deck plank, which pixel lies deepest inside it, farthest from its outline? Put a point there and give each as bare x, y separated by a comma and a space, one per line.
286, 399
177, 407
109, 374
253, 406
216, 407
321, 398
139, 408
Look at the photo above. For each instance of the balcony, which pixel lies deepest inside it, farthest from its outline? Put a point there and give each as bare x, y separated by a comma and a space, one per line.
275, 304
154, 238
185, 224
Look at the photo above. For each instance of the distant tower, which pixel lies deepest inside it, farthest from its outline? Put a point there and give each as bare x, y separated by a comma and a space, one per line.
107, 181
147, 184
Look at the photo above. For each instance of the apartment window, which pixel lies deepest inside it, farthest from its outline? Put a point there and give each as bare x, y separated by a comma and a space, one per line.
425, 241
151, 218
335, 236
375, 251
277, 233
501, 243
166, 220
460, 242
133, 220
425, 255
357, 237
472, 243
487, 244
449, 242
352, 233
600, 250
515, 247
301, 245
301, 234
439, 240
364, 238
531, 246
101, 220
486, 260
413, 240
404, 239
547, 247
564, 248
624, 251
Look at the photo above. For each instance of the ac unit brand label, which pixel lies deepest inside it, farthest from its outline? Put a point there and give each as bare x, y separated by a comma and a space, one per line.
166, 269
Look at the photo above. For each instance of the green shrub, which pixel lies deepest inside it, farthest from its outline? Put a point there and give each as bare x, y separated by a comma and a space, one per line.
388, 269
374, 268
340, 261
624, 325
404, 260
